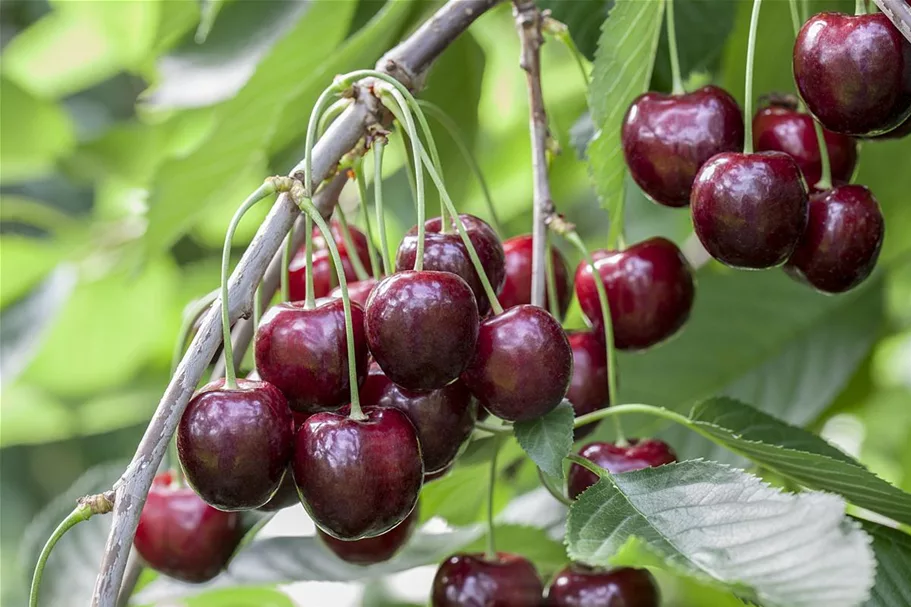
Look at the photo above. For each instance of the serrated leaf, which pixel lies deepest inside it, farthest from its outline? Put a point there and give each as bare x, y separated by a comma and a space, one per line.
583, 17
893, 557
722, 525
548, 439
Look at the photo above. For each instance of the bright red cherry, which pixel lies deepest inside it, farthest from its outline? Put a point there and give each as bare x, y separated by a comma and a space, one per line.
580, 586
616, 459
473, 580
516, 289
842, 241
666, 138
588, 388
372, 550
854, 72
182, 536
749, 210
324, 275
235, 445
649, 287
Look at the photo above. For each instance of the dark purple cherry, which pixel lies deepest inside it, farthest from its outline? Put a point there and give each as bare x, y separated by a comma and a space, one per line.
516, 289
778, 128
183, 537
372, 550
358, 291
443, 418
841, 244
899, 132
435, 476
324, 275
234, 445
465, 580
649, 288
358, 479
636, 455
666, 138
854, 72
749, 210
522, 366
588, 387
422, 328
304, 353
580, 586
447, 253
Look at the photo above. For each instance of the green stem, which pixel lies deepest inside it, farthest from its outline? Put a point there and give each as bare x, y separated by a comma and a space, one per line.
359, 270
409, 170
551, 280
672, 46
748, 93
804, 10
587, 464
491, 540
82, 512
309, 290
379, 146
286, 262
825, 178
555, 491
570, 44
362, 194
502, 429
618, 410
331, 113
191, 314
860, 7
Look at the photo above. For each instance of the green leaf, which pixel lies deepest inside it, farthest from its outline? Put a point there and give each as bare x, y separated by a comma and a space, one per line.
242, 597
893, 557
548, 439
584, 19
622, 71
723, 526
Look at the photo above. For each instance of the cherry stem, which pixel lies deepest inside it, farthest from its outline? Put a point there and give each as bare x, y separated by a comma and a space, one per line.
286, 263
358, 170
555, 491
672, 47
561, 32
409, 170
550, 279
191, 314
491, 540
860, 7
309, 290
825, 178
379, 147
748, 93
331, 113
359, 270
82, 512
501, 429
587, 464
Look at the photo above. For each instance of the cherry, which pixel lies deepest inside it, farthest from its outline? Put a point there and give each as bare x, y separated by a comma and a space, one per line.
422, 328
372, 550
666, 138
285, 497
854, 72
234, 445
447, 253
324, 275
443, 418
899, 132
435, 476
472, 579
523, 364
616, 459
516, 289
649, 288
578, 585
304, 352
182, 536
749, 210
588, 388
778, 128
358, 478
358, 291
841, 244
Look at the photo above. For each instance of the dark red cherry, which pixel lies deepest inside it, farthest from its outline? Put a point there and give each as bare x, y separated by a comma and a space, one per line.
523, 364
516, 289
435, 476
234, 445
443, 418
841, 244
580, 586
372, 550
854, 72
899, 132
304, 353
749, 210
422, 328
588, 387
324, 275
782, 129
182, 536
358, 479
473, 580
649, 288
616, 459
666, 138
358, 291
285, 497
447, 253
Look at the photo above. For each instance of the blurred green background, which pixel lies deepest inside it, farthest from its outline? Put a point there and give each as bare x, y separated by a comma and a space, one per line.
127, 145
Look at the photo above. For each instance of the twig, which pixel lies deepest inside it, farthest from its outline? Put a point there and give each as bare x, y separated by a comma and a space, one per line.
408, 62
528, 24
899, 13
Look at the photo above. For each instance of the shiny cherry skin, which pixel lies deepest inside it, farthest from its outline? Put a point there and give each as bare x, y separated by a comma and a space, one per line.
650, 291
358, 291
372, 550
522, 366
666, 138
841, 244
304, 353
588, 388
447, 253
358, 478
516, 289
749, 210
577, 585
324, 275
422, 328
782, 129
854, 72
636, 455
443, 418
182, 536
235, 445
471, 580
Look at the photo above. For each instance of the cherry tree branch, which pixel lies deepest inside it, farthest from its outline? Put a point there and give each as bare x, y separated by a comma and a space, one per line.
409, 61
899, 13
